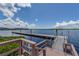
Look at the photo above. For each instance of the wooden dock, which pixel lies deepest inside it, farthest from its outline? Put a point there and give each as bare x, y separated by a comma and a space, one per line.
58, 48
54, 46
58, 43
37, 35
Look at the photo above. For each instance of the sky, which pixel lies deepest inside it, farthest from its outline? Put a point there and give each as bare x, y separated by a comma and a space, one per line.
39, 15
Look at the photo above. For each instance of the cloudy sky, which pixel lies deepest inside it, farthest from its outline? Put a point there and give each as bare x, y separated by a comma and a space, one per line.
18, 15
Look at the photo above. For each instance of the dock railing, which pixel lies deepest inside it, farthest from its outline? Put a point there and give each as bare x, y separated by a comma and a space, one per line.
32, 49
70, 49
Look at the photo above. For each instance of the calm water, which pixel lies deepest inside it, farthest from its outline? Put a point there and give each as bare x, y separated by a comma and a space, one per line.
73, 35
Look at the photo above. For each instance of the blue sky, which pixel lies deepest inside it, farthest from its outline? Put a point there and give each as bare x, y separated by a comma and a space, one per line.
47, 15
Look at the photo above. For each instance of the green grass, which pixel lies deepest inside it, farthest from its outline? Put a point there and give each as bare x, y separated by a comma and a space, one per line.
8, 47
6, 38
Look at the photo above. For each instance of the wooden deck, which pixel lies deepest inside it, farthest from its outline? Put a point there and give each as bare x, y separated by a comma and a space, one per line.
58, 43
57, 47
52, 52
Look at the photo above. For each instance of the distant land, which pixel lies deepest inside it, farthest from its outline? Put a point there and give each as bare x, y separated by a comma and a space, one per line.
3, 28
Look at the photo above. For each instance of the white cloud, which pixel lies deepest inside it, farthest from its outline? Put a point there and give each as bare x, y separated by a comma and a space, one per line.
6, 11
10, 23
69, 24
21, 23
24, 5
32, 26
9, 9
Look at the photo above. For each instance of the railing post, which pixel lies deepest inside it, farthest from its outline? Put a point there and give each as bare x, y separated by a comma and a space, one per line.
44, 52
20, 49
31, 33
56, 32
33, 53
51, 42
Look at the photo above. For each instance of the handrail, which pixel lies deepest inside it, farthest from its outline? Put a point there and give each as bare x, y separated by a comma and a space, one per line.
9, 41
29, 41
40, 42
20, 41
71, 49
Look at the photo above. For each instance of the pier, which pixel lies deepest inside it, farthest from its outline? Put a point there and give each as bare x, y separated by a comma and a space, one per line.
58, 45
50, 46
